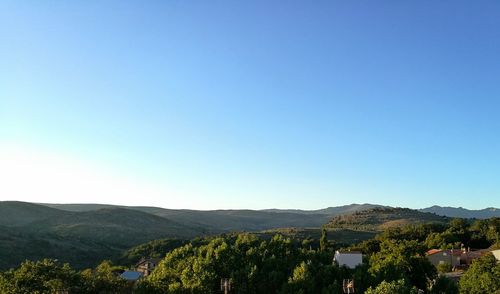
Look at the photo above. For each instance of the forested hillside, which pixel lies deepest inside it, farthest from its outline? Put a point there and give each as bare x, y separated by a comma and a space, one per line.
218, 221
394, 262
85, 234
378, 219
31, 231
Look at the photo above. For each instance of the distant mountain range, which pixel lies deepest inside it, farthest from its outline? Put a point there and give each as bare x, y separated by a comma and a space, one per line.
439, 210
329, 211
217, 221
84, 234
463, 212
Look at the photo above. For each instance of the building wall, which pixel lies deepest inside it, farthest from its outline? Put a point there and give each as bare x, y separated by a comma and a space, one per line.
351, 260
444, 257
496, 253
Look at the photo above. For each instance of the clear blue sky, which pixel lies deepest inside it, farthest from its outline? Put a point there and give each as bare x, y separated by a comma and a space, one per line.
252, 104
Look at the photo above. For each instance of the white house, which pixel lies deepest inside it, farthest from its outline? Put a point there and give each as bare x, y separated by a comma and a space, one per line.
496, 253
350, 259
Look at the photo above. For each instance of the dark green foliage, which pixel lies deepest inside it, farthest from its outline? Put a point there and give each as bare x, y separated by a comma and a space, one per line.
485, 232
117, 227
444, 285
298, 260
479, 234
323, 241
153, 249
399, 286
459, 233
256, 265
30, 231
483, 276
404, 260
378, 219
311, 277
222, 221
15, 213
253, 265
85, 234
337, 236
46, 276
418, 232
444, 268
367, 247
17, 245
104, 279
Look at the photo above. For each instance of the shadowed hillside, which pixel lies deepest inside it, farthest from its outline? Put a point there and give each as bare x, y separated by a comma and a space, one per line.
84, 234
331, 211
219, 221
31, 231
15, 213
463, 212
118, 226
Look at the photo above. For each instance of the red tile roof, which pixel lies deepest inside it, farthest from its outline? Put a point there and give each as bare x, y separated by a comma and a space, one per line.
433, 251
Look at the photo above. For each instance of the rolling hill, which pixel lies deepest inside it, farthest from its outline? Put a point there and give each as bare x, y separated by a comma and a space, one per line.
463, 212
378, 219
116, 226
331, 211
84, 234
219, 221
31, 231
15, 213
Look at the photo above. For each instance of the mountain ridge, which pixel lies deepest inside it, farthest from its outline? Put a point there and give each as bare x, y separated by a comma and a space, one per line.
331, 210
378, 219
463, 212
86, 233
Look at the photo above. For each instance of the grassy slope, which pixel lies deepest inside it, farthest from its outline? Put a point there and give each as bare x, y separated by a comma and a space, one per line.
378, 219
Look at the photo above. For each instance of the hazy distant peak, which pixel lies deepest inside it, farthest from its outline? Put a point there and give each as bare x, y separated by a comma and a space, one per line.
463, 212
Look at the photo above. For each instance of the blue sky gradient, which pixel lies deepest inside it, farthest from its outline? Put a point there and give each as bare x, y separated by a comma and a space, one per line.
259, 104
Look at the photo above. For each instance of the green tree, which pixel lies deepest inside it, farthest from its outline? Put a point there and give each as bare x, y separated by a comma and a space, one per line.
323, 241
253, 265
444, 267
45, 276
401, 260
104, 279
399, 286
483, 276
301, 281
444, 285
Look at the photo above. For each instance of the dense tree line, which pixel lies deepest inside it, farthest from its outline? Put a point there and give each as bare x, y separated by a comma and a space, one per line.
48, 276
394, 262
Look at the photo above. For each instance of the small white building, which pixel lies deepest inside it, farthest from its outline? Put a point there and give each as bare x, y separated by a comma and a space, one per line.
496, 253
350, 259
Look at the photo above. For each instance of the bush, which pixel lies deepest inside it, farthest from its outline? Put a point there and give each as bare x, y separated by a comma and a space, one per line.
444, 268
